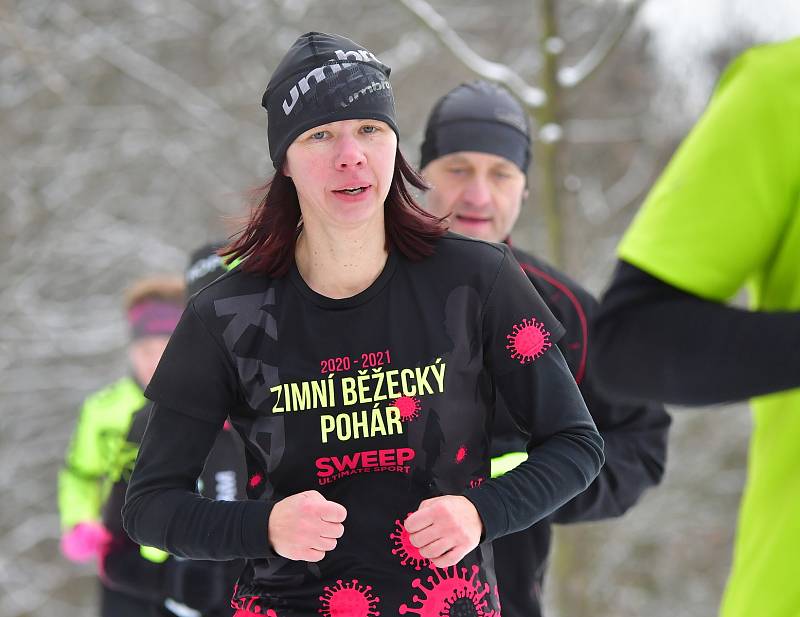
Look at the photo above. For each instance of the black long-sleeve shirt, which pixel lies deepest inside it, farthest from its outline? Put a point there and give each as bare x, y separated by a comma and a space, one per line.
634, 436
657, 342
378, 401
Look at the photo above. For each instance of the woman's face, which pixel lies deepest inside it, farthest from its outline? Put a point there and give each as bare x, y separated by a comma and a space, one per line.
342, 172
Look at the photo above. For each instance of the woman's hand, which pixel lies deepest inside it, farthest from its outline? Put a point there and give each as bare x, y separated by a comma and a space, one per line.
305, 526
445, 529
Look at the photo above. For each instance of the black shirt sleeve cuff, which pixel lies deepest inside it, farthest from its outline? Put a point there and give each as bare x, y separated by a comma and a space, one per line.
255, 527
491, 510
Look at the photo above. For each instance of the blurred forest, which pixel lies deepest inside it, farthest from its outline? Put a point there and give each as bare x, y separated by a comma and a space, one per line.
132, 130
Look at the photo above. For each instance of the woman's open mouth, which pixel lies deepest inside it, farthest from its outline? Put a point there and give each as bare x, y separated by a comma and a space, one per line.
355, 190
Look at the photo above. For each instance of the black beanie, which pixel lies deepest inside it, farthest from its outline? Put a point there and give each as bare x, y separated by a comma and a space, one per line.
479, 117
204, 267
324, 78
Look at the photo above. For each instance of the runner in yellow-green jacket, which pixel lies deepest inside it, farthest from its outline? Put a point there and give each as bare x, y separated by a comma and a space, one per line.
103, 422
153, 307
724, 215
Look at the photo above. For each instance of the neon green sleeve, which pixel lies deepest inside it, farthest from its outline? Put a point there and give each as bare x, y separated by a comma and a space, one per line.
504, 463
713, 219
102, 426
152, 554
78, 499
79, 480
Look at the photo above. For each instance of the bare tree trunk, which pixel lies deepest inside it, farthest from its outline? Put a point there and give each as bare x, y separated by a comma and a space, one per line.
548, 141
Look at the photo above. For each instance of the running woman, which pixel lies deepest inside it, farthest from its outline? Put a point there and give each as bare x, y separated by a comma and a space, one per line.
358, 349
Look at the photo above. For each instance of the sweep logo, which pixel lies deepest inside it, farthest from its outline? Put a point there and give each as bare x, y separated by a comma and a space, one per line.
321, 73
332, 468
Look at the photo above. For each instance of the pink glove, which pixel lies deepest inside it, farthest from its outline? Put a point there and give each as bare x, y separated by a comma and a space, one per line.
84, 542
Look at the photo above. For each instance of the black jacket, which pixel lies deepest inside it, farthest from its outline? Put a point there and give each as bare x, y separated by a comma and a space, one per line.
635, 437
699, 343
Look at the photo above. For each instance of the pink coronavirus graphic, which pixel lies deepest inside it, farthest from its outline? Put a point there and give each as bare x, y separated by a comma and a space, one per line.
349, 600
255, 480
451, 594
528, 341
409, 408
461, 454
253, 611
409, 554
247, 606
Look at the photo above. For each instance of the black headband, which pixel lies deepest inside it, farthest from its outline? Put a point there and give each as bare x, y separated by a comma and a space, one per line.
324, 78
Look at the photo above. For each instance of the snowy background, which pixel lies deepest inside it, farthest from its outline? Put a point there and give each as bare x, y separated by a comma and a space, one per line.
131, 130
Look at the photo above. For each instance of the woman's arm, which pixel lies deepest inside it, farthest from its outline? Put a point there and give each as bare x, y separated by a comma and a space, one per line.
565, 451
163, 509
565, 454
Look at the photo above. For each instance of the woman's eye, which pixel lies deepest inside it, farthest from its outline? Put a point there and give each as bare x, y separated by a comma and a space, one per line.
369, 129
318, 135
457, 170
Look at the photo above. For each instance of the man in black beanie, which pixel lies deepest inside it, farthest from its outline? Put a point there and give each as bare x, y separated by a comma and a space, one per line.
475, 157
205, 266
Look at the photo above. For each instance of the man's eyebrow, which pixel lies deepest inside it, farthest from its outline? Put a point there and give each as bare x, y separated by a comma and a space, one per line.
457, 158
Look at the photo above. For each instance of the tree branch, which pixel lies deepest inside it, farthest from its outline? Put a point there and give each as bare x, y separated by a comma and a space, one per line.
408, 51
530, 96
34, 52
599, 204
153, 75
571, 76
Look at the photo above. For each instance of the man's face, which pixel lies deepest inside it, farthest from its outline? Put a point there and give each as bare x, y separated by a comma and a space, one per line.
482, 193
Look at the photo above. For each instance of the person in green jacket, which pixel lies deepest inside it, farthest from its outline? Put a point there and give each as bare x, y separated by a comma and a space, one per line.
725, 215
153, 306
154, 583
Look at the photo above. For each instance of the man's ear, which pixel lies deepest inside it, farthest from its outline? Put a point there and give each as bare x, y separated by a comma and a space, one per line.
525, 194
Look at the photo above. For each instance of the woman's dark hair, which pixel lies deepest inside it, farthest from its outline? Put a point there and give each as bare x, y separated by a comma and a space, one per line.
266, 244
